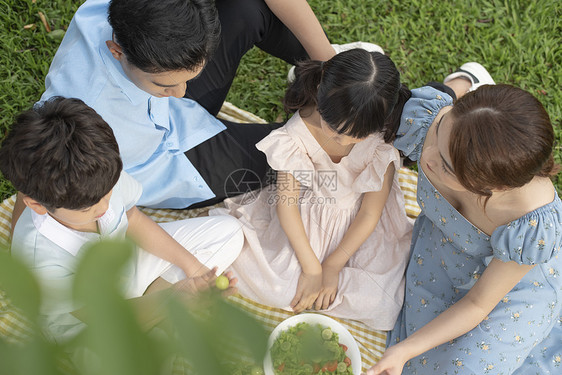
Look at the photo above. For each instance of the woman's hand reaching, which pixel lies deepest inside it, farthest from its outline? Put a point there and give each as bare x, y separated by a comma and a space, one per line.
391, 363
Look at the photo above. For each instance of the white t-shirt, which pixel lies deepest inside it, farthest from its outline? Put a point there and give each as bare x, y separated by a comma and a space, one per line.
53, 251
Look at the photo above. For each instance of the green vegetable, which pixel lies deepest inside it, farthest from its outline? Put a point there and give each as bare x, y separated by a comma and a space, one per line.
306, 349
308, 368
327, 334
342, 368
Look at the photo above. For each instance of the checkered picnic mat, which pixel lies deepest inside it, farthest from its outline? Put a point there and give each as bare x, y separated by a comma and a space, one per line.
371, 342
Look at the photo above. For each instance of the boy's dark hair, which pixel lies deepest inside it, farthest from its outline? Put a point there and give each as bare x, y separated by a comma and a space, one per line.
357, 93
165, 35
62, 154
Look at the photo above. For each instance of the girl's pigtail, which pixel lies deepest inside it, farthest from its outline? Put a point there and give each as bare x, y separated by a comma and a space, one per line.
393, 121
302, 91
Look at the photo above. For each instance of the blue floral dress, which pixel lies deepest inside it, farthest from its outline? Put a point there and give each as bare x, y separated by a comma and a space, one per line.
523, 334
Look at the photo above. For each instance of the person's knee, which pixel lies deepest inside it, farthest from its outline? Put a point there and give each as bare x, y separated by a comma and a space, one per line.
234, 233
231, 239
243, 10
243, 16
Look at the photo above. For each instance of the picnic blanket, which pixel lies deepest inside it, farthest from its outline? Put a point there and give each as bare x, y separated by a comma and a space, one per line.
371, 342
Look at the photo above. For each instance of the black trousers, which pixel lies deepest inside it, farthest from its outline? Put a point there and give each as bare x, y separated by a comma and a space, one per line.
229, 163
443, 88
244, 24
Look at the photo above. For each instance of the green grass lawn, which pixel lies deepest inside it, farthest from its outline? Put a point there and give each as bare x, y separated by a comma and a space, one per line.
517, 40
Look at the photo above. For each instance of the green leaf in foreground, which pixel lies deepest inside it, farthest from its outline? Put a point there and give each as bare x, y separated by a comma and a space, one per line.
113, 334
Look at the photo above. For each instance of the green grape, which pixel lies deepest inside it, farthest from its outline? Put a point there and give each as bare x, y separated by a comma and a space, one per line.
222, 282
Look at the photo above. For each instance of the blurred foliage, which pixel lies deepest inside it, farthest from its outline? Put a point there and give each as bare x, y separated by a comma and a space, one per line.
201, 334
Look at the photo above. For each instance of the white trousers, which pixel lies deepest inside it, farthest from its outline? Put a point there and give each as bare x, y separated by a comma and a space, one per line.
216, 241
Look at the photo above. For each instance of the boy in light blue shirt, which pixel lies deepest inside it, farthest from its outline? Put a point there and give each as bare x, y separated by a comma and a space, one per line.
63, 158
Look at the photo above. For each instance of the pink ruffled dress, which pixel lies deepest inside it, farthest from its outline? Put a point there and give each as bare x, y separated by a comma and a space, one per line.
371, 285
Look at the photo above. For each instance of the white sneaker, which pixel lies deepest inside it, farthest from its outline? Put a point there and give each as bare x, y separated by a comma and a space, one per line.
371, 47
474, 72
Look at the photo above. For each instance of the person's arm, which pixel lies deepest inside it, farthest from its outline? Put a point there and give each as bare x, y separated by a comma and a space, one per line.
289, 215
494, 283
301, 20
152, 238
360, 229
19, 206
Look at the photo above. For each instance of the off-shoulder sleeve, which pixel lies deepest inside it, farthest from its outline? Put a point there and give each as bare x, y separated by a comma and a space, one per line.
286, 153
532, 239
418, 114
379, 158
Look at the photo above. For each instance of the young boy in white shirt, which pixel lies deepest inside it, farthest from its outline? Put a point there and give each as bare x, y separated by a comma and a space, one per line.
65, 160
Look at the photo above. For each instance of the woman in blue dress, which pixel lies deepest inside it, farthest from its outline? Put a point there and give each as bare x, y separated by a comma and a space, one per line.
483, 284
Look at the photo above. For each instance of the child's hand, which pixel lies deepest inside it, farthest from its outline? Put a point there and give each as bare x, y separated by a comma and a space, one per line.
391, 363
231, 289
330, 279
196, 269
193, 285
307, 291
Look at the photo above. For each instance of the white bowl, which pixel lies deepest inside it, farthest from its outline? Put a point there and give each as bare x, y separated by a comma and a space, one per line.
343, 334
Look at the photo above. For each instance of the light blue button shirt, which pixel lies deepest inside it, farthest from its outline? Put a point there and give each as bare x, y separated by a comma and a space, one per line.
153, 133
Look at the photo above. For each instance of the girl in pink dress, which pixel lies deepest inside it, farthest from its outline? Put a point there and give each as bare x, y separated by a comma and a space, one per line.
332, 233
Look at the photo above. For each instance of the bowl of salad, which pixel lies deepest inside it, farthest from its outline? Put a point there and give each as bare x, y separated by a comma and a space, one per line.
312, 344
